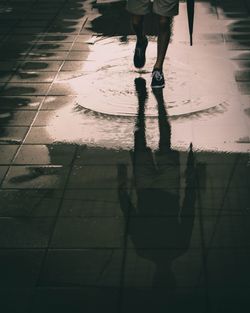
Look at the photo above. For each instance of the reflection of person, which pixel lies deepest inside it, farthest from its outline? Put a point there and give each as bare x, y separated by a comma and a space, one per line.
165, 10
160, 228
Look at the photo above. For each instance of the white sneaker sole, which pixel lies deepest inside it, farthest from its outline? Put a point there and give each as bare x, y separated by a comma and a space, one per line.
155, 87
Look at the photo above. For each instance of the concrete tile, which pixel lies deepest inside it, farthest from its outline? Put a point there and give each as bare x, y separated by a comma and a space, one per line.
88, 233
242, 76
244, 87
12, 135
228, 299
54, 37
46, 118
23, 273
62, 89
64, 76
77, 55
174, 299
47, 55
29, 203
243, 45
15, 300
46, 66
91, 203
3, 171
7, 153
228, 159
75, 299
94, 267
96, 176
31, 77
45, 155
58, 46
231, 202
18, 118
226, 231
220, 263
14, 38
79, 65
9, 65
19, 89
98, 156
22, 102
26, 23
5, 76
81, 46
13, 55
12, 46
40, 135
25, 232
33, 177
220, 176
239, 55
57, 102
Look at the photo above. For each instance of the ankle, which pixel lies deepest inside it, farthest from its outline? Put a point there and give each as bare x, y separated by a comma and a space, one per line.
157, 68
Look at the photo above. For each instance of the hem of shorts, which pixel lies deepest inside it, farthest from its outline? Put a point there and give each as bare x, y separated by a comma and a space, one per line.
170, 14
138, 13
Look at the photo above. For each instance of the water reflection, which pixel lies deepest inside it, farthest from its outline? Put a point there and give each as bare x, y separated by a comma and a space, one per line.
160, 226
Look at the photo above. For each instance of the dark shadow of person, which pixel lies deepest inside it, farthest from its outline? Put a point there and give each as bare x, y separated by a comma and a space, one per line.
159, 227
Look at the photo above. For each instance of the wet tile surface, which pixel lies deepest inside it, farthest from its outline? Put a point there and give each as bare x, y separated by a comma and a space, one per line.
31, 203
96, 211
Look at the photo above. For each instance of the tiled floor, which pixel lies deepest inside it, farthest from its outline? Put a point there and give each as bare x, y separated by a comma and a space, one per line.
91, 219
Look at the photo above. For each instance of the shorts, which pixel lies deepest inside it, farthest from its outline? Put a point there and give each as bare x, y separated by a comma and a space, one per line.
166, 8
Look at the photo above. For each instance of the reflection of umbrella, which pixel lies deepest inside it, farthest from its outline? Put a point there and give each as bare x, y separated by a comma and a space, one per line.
190, 12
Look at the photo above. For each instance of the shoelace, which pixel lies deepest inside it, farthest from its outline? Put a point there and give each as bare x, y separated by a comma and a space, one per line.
157, 75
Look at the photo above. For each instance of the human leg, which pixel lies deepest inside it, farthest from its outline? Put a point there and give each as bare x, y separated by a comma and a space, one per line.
163, 39
164, 35
138, 9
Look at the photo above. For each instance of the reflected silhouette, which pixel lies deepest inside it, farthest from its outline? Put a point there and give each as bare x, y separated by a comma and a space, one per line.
159, 226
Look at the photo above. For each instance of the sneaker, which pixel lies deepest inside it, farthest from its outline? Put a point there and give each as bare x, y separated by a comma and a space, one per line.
139, 56
158, 80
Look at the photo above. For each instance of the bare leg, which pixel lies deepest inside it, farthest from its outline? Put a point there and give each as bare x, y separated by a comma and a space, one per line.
137, 23
164, 35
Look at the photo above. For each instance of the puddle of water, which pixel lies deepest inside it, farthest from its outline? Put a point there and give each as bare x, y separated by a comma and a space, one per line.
201, 98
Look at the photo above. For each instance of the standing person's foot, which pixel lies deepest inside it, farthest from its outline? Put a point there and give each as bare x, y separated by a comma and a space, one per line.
158, 80
140, 50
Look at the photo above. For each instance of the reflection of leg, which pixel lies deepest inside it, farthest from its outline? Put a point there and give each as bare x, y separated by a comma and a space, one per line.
164, 35
164, 125
143, 162
140, 138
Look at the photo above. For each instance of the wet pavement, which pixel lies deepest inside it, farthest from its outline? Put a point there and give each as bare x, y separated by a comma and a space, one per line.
114, 197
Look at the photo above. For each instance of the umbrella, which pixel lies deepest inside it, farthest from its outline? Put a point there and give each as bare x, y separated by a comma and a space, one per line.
190, 12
